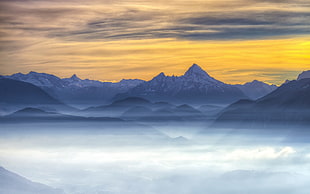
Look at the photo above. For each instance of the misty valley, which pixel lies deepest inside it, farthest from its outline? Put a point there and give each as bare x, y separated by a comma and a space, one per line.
172, 134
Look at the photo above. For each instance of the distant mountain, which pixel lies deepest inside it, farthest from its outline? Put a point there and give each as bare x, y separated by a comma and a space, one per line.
256, 89
194, 87
178, 113
38, 115
136, 108
304, 75
30, 116
289, 105
211, 110
18, 94
75, 91
11, 183
116, 108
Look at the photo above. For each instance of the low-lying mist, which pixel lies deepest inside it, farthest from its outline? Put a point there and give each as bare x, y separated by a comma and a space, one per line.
96, 157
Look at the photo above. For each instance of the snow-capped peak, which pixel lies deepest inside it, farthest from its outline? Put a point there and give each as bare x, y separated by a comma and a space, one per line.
75, 81
196, 74
196, 70
38, 79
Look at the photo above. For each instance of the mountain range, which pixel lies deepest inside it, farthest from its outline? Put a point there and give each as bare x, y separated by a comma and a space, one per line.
194, 96
75, 91
38, 115
136, 108
194, 87
286, 106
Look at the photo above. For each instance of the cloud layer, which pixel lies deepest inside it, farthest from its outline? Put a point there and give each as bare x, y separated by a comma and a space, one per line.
205, 20
34, 31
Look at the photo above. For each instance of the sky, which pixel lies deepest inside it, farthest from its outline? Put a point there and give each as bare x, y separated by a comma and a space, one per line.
235, 41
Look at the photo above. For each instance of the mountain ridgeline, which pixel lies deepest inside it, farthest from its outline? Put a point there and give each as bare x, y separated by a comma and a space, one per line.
136, 108
192, 97
287, 106
75, 91
194, 87
16, 95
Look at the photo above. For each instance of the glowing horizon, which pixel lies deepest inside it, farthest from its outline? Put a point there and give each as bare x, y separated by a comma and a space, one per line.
235, 42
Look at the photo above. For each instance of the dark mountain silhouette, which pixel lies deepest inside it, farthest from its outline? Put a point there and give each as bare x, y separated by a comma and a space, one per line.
289, 105
38, 115
136, 108
180, 113
188, 112
15, 95
104, 124
11, 183
18, 92
131, 101
33, 112
117, 108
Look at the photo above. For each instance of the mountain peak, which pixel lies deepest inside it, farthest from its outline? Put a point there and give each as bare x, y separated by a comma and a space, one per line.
33, 73
195, 66
75, 77
160, 76
196, 70
303, 75
254, 82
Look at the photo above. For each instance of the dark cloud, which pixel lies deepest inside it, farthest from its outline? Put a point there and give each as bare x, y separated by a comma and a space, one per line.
244, 25
249, 25
83, 24
245, 33
209, 20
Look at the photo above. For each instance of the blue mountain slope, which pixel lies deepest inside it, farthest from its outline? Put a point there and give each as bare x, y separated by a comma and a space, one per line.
256, 89
15, 95
76, 91
17, 92
289, 105
195, 87
136, 108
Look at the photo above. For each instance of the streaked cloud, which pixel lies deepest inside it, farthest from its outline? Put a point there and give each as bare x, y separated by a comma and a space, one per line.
112, 36
137, 19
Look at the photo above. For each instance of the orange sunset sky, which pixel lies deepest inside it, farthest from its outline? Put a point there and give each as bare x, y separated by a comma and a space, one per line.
235, 41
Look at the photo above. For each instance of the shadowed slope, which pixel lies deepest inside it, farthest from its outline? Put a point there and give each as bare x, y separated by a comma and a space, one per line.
289, 105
